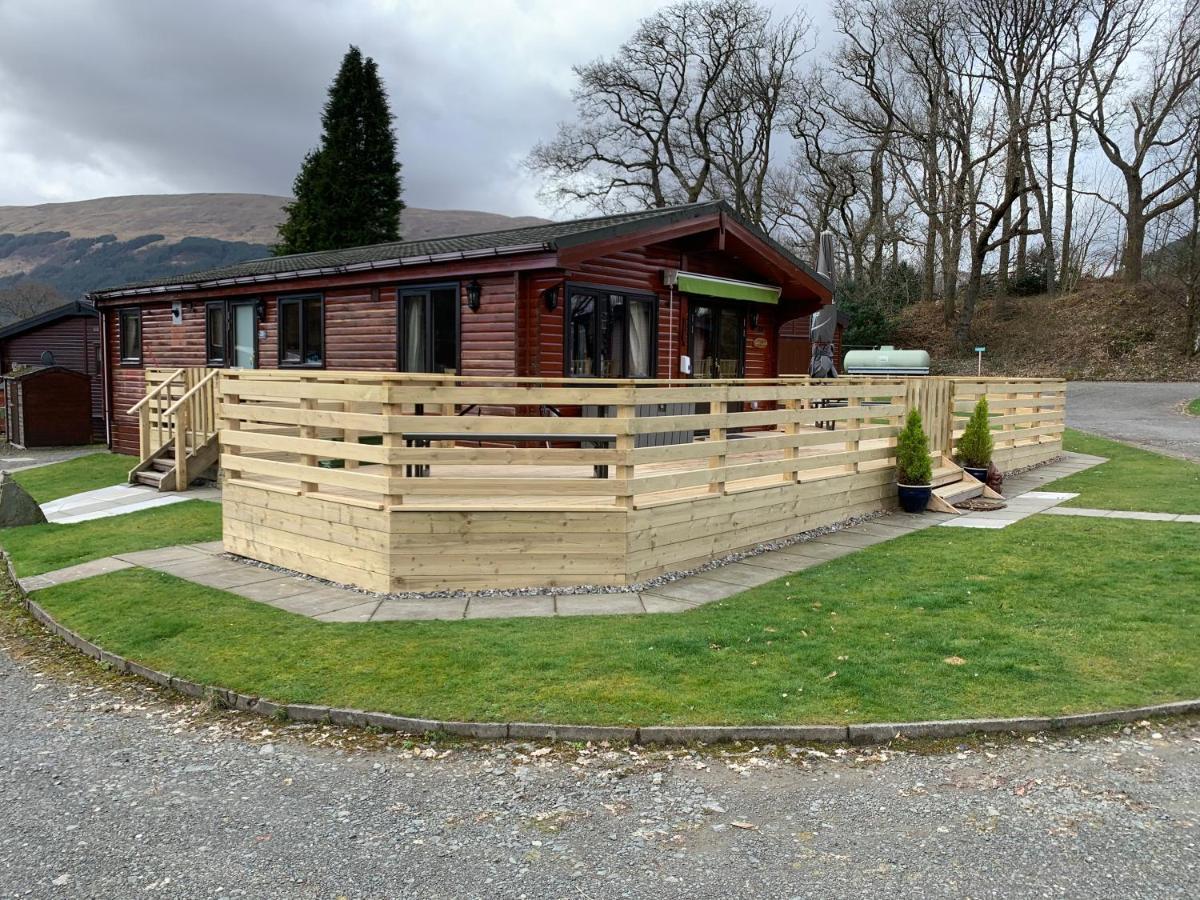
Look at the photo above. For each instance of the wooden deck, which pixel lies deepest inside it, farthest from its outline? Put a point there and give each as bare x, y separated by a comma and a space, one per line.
329, 473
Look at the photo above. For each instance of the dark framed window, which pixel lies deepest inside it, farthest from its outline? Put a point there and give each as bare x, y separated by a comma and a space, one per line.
429, 328
609, 334
216, 333
231, 333
717, 340
302, 331
129, 323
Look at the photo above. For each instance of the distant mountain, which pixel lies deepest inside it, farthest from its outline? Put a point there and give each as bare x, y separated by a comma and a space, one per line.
91, 244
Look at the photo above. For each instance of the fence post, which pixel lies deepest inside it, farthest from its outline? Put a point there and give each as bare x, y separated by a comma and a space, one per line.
853, 423
181, 438
625, 443
392, 441
719, 434
227, 424
791, 452
307, 431
144, 432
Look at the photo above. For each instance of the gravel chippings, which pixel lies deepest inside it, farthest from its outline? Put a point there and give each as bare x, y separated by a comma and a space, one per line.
112, 788
647, 585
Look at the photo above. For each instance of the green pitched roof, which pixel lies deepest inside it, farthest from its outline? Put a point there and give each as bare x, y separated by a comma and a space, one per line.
531, 238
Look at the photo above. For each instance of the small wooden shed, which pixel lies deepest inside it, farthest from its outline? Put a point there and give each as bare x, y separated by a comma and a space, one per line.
66, 336
48, 406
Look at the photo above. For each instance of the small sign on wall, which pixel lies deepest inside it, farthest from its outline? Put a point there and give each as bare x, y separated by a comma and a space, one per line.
760, 343
176, 312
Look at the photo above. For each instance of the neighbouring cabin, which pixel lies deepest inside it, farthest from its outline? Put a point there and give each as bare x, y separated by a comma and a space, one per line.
795, 345
68, 337
47, 406
681, 294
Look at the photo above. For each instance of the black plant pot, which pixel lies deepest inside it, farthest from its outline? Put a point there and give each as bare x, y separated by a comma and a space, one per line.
914, 497
980, 474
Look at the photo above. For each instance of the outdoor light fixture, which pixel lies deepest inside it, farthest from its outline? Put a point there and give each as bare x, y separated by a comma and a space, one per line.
474, 293
754, 319
550, 298
260, 310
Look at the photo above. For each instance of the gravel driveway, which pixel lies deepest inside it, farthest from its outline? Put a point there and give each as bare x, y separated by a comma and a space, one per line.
1143, 413
115, 790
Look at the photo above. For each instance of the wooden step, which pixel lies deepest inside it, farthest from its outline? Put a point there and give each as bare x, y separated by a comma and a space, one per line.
960, 491
162, 464
946, 474
149, 477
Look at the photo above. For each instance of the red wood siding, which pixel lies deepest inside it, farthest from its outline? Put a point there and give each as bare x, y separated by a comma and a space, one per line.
75, 342
489, 337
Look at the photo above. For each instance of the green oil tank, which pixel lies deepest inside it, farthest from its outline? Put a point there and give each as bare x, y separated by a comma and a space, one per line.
886, 361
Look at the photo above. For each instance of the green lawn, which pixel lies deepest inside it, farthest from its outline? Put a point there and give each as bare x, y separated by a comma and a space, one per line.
43, 548
84, 473
1132, 479
1068, 615
1193, 408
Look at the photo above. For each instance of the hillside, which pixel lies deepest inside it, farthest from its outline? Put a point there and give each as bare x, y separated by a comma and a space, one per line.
1104, 331
82, 246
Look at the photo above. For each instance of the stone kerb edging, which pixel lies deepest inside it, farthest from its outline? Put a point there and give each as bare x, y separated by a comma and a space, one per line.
871, 733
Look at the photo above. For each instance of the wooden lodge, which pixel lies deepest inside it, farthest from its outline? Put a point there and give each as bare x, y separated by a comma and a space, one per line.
683, 293
592, 402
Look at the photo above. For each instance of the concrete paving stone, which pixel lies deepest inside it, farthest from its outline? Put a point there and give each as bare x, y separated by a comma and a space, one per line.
820, 548
504, 607
151, 558
1078, 511
278, 588
887, 530
654, 603
848, 538
1048, 495
697, 589
238, 577
360, 612
741, 575
973, 522
598, 604
35, 583
87, 570
781, 562
420, 610
209, 547
322, 601
1188, 518
1146, 516
201, 565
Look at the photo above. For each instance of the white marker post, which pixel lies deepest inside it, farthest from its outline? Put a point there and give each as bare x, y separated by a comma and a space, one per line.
980, 351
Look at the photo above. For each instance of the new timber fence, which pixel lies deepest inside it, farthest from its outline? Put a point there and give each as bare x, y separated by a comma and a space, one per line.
408, 482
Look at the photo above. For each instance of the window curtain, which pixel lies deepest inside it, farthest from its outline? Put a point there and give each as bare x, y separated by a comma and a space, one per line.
641, 348
414, 334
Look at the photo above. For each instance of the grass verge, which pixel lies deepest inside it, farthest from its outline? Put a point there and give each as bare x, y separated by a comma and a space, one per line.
1132, 479
1048, 616
73, 476
1193, 408
43, 548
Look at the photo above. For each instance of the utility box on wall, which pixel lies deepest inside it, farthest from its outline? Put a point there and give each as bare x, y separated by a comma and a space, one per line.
48, 406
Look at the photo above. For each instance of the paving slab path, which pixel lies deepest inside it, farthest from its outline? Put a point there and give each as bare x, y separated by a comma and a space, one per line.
115, 789
1144, 413
206, 564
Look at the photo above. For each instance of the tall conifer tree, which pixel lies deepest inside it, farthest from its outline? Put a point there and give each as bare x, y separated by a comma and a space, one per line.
347, 192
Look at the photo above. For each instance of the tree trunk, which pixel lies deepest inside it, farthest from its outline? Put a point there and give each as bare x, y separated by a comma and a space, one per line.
1064, 269
877, 217
966, 315
1135, 231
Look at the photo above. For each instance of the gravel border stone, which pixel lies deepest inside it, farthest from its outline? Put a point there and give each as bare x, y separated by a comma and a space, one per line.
869, 733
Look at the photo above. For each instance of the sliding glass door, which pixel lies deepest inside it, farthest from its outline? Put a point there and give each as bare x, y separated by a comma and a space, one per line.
429, 339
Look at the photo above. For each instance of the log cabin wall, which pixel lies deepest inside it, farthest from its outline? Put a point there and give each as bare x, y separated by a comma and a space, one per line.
361, 333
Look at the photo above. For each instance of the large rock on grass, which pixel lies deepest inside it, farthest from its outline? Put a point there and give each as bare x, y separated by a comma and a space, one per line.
16, 506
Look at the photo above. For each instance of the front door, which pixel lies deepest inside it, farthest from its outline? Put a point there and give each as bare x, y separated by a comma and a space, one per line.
429, 329
717, 340
243, 332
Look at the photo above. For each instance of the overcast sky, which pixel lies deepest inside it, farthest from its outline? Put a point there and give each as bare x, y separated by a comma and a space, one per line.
108, 97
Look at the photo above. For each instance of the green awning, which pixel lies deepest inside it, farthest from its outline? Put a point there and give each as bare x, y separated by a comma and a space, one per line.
727, 288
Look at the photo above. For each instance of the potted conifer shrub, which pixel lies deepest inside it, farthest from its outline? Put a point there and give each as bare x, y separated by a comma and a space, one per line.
913, 469
975, 445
